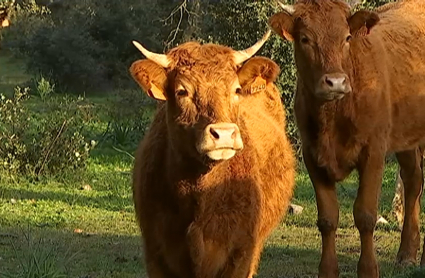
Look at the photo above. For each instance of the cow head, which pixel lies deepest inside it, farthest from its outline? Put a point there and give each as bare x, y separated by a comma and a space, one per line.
322, 31
203, 86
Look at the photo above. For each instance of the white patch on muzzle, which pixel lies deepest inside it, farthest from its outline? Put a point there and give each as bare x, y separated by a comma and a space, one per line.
220, 141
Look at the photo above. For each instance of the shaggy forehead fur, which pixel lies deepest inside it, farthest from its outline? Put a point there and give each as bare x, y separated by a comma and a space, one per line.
213, 62
321, 5
321, 10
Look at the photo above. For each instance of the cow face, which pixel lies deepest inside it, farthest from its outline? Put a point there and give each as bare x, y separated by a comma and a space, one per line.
203, 86
322, 31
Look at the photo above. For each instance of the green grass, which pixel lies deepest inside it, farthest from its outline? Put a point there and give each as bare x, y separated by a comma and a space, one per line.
39, 221
109, 245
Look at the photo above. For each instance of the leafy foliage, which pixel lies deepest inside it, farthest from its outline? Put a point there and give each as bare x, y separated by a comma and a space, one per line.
127, 114
86, 45
49, 141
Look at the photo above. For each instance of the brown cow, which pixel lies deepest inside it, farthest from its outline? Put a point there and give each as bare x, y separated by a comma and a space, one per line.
215, 173
398, 200
360, 95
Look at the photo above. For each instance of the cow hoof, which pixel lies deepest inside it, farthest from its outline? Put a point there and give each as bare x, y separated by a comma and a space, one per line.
405, 261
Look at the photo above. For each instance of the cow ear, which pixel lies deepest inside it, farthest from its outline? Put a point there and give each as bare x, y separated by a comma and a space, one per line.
282, 24
255, 74
151, 77
362, 20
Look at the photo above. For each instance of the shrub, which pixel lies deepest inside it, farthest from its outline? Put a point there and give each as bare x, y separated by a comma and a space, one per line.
26, 18
85, 45
128, 116
48, 141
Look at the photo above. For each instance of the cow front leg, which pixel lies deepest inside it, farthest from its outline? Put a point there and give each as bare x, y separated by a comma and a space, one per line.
327, 218
370, 168
239, 264
411, 172
155, 264
256, 258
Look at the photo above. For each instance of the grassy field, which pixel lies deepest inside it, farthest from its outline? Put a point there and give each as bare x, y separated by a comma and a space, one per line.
57, 224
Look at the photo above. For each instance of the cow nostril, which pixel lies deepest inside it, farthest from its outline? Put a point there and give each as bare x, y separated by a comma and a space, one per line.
234, 134
329, 82
214, 133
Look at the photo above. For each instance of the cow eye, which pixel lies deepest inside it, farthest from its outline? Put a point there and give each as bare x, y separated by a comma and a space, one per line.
304, 40
181, 93
348, 39
238, 91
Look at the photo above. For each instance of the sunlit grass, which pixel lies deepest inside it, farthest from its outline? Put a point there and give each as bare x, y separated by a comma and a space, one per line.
108, 243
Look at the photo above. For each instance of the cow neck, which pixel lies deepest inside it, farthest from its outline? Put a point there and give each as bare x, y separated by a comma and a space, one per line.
184, 163
333, 127
191, 172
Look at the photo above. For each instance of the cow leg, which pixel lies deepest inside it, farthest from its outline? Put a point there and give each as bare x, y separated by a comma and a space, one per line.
155, 268
155, 264
239, 266
370, 168
328, 214
411, 173
398, 201
256, 258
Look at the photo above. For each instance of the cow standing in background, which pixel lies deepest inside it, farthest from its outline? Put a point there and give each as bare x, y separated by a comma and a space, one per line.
215, 173
398, 200
360, 95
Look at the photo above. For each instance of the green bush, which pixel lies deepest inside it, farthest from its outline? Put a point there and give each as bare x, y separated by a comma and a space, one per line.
26, 18
47, 141
128, 117
85, 45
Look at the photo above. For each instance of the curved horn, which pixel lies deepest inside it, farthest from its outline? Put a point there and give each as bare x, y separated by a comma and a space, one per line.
287, 8
160, 59
241, 56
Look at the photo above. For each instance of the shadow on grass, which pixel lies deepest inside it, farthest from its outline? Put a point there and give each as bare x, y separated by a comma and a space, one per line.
103, 255
291, 262
76, 255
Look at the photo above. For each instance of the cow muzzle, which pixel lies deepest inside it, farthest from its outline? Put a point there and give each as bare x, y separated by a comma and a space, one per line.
333, 86
220, 141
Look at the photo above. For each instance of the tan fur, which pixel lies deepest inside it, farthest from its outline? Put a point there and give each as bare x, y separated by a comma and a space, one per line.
200, 218
398, 201
383, 113
4, 20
